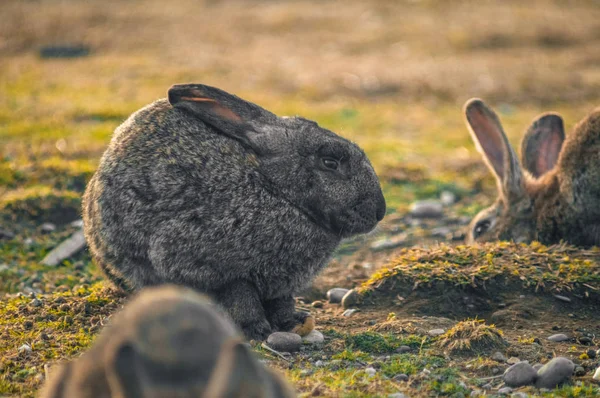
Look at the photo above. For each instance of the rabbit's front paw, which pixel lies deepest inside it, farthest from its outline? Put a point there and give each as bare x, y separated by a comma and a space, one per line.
258, 330
305, 323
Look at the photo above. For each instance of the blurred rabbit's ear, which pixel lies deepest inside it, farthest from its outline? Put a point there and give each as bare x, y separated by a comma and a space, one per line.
227, 113
121, 372
542, 143
237, 373
492, 143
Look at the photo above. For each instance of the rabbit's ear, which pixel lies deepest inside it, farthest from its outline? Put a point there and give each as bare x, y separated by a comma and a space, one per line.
121, 372
237, 373
542, 143
227, 113
492, 143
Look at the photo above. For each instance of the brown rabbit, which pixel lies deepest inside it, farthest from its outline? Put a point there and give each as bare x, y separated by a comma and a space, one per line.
168, 342
556, 197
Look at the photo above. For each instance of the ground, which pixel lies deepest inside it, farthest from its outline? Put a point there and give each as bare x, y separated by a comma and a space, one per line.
392, 76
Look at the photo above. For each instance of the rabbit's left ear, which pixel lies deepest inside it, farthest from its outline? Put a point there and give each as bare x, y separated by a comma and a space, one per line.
542, 143
227, 113
490, 138
237, 373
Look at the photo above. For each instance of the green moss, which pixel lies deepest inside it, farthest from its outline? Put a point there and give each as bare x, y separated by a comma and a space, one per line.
41, 203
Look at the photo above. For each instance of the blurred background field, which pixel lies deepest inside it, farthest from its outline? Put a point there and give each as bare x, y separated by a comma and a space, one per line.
390, 75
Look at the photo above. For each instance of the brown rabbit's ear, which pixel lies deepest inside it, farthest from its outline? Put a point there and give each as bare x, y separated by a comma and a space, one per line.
237, 373
542, 143
121, 372
492, 143
227, 113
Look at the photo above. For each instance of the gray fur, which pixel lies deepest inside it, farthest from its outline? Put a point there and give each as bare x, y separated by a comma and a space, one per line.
167, 342
218, 194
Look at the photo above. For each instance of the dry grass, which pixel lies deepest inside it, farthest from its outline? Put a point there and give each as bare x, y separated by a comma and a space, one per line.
472, 336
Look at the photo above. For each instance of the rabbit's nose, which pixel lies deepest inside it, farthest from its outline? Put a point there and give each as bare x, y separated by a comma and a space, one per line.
381, 207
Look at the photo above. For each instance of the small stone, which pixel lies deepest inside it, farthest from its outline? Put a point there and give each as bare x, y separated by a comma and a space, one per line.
498, 357
425, 372
336, 295
426, 209
513, 360
596, 374
319, 364
401, 377
349, 312
436, 332
555, 372
403, 349
441, 232
520, 374
35, 303
48, 227
6, 234
447, 198
370, 371
350, 299
487, 386
397, 395
389, 243
505, 390
519, 395
284, 341
591, 354
314, 337
558, 337
475, 393
585, 340
25, 349
39, 377
562, 298
77, 223
306, 372
579, 371
555, 327
317, 304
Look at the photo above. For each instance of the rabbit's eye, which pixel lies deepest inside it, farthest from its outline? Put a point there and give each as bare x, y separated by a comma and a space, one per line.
330, 163
481, 227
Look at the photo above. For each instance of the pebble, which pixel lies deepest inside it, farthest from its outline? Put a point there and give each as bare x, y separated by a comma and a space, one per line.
562, 298
436, 332
426, 209
513, 360
77, 223
35, 303
447, 198
585, 340
24, 348
389, 243
317, 304
441, 232
350, 299
336, 294
397, 395
306, 372
591, 354
498, 357
48, 227
349, 312
403, 349
555, 372
475, 393
520, 374
579, 371
319, 364
284, 341
558, 337
487, 386
314, 337
401, 377
519, 395
370, 372
505, 390
6, 234
596, 374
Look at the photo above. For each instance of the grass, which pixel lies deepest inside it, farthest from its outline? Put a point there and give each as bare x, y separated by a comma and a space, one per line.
391, 76
472, 336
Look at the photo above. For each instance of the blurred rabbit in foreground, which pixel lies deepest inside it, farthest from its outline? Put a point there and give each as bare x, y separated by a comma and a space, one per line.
167, 342
556, 197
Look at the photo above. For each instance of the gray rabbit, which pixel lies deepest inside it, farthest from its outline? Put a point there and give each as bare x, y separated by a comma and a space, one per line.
212, 192
168, 342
